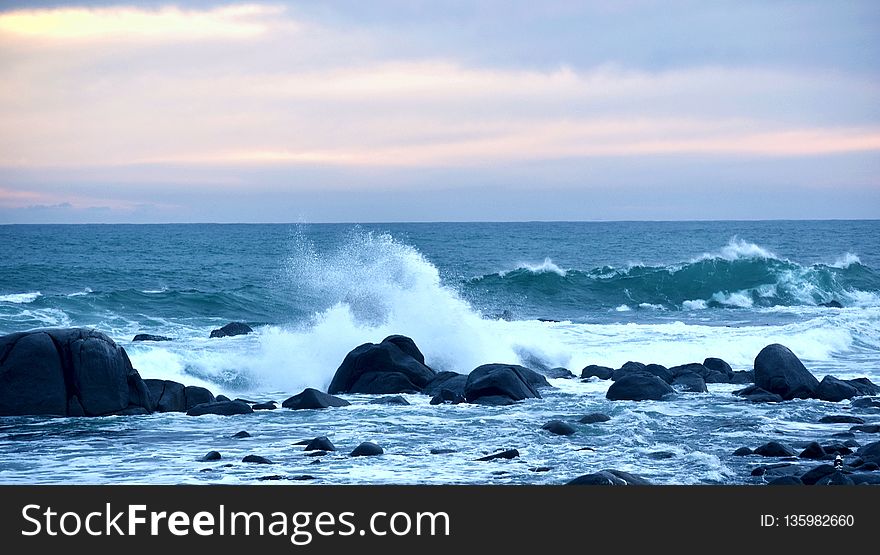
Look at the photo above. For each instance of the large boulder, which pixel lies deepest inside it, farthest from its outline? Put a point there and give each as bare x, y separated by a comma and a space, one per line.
709, 375
68, 372
222, 408
313, 399
451, 381
231, 329
638, 387
864, 386
171, 396
393, 366
834, 390
779, 371
601, 372
690, 382
870, 452
494, 383
629, 367
719, 365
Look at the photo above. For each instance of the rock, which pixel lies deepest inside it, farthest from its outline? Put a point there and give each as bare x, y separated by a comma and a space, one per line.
690, 382
840, 419
742, 452
846, 435
508, 454
755, 394
817, 473
316, 453
864, 386
195, 395
447, 396
775, 449
222, 398
556, 373
231, 329
870, 451
211, 456
719, 365
638, 387
594, 417
367, 449
451, 381
256, 459
609, 478
313, 399
559, 428
321, 443
269, 405
837, 449
866, 428
248, 401
540, 469
831, 304
742, 378
488, 382
240, 435
787, 480
42, 371
168, 396
601, 372
273, 477
392, 366
869, 467
660, 371
778, 469
148, 337
852, 444
836, 478
834, 390
779, 371
628, 368
865, 403
860, 478
813, 451
391, 400
661, 455
442, 451
223, 408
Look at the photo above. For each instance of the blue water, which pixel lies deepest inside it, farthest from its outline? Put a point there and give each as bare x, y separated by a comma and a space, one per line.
468, 294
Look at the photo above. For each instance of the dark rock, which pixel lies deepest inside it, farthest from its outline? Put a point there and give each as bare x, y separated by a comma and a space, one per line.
248, 401
865, 403
508, 454
390, 400
869, 467
775, 449
693, 368
844, 435
817, 473
452, 381
447, 396
269, 405
303, 442
661, 455
559, 428
743, 378
273, 477
223, 408
831, 304
742, 452
866, 428
222, 398
870, 451
499, 381
864, 386
148, 337
719, 365
533, 378
836, 478
313, 399
367, 449
840, 419
837, 449
609, 478
813, 451
442, 451
601, 372
131, 411
387, 367
834, 390
550, 320
690, 382
302, 477
316, 453
495, 401
778, 469
628, 368
787, 480
660, 371
167, 395
195, 395
231, 329
212, 456
852, 444
779, 371
638, 387
865, 478
594, 417
755, 394
321, 443
240, 435
540, 469
42, 370
256, 459
558, 373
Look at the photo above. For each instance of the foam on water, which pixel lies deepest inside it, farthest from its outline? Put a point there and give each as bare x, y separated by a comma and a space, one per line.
20, 298
546, 267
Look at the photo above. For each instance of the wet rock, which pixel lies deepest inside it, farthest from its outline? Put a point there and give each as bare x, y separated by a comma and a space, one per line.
775, 449
817, 473
367, 449
865, 478
231, 329
865, 403
269, 405
316, 453
148, 337
442, 451
452, 381
852, 444
227, 408
609, 478
836, 478
867, 428
390, 400
447, 397
831, 304
241, 435
841, 419
556, 373
638, 387
594, 417
167, 395
813, 451
834, 390
321, 443
837, 449
690, 382
847, 435
661, 455
540, 469
742, 452
870, 451
272, 477
222, 398
195, 395
393, 366
630, 367
755, 394
864, 386
601, 372
559, 428
743, 377
787, 480
772, 470
508, 454
780, 371
661, 372
313, 399
248, 401
720, 366
256, 459
492, 383
211, 456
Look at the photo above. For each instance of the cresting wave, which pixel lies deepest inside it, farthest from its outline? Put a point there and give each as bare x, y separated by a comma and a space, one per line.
739, 275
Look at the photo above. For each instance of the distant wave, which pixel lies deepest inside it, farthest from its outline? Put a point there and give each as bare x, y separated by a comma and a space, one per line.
20, 298
546, 267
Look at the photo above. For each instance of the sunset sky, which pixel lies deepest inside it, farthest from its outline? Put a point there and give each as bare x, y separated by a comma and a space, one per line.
438, 111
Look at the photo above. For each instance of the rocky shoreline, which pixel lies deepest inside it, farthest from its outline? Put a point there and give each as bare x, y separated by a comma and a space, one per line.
83, 373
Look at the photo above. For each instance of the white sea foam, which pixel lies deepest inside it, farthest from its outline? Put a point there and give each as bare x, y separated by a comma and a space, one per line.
845, 261
82, 293
546, 267
696, 304
739, 299
623, 308
737, 249
20, 298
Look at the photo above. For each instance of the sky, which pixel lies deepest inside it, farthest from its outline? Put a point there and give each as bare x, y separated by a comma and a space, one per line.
384, 111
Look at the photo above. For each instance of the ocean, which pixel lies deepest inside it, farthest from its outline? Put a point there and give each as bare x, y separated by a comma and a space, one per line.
544, 295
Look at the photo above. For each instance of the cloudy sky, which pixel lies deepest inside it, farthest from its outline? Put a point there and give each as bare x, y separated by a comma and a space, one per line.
438, 111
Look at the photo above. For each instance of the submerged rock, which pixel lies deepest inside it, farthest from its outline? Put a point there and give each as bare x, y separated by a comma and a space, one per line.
497, 383
311, 398
240, 435
393, 366
559, 428
787, 480
594, 417
780, 371
813, 451
268, 405
831, 304
638, 387
755, 394
222, 408
211, 456
390, 400
256, 459
232, 329
841, 419
367, 449
556, 373
321, 443
508, 454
